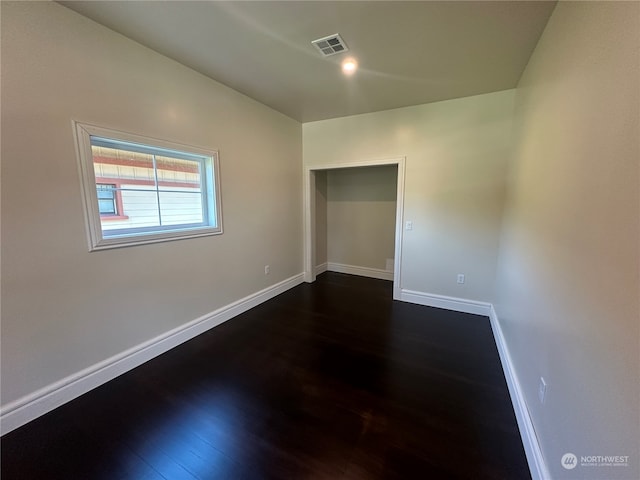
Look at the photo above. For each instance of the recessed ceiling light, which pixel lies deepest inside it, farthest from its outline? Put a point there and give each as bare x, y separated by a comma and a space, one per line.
349, 66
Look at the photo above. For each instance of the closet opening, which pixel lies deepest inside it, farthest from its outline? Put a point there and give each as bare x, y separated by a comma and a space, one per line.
353, 220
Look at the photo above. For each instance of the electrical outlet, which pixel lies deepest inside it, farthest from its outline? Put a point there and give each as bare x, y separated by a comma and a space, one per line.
542, 390
267, 269
461, 278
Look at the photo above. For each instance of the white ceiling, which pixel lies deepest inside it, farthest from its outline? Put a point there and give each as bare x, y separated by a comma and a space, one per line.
409, 52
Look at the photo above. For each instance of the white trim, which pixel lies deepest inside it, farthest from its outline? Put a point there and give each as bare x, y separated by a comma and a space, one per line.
537, 464
535, 458
364, 163
321, 268
397, 260
360, 271
449, 303
309, 231
33, 405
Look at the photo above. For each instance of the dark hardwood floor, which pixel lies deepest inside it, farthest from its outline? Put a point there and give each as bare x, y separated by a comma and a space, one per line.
332, 380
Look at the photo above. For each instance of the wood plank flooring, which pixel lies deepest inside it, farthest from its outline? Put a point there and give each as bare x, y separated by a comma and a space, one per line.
332, 380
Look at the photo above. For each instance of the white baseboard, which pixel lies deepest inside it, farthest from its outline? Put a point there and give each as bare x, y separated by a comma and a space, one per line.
448, 303
321, 268
33, 405
535, 459
537, 464
361, 271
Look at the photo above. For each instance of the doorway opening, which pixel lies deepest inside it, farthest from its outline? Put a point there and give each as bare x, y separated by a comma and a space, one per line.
314, 183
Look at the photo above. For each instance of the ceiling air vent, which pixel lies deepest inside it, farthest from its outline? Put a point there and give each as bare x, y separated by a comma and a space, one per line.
330, 45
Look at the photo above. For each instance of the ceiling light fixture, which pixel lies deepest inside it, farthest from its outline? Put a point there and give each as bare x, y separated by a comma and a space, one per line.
349, 66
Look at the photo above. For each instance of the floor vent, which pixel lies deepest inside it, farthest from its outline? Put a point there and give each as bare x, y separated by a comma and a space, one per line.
330, 45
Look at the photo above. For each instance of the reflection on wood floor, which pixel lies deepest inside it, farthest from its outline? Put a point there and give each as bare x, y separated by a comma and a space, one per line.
331, 380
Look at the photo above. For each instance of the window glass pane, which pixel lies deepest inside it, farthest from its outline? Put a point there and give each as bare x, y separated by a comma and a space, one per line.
180, 207
106, 199
105, 191
177, 173
117, 164
140, 205
141, 148
106, 206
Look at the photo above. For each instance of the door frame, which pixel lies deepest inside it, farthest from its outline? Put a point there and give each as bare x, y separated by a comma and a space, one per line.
309, 193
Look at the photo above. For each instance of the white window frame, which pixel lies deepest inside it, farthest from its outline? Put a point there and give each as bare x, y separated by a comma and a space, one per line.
99, 240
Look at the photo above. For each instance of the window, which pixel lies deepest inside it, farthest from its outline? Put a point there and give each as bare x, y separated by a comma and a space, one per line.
106, 199
139, 190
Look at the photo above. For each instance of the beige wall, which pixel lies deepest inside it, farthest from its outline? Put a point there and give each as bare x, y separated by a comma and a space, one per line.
568, 278
321, 217
568, 283
361, 215
65, 309
456, 153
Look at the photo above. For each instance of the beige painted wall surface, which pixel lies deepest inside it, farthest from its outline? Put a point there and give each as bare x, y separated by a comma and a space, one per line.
321, 217
361, 215
569, 279
456, 154
64, 309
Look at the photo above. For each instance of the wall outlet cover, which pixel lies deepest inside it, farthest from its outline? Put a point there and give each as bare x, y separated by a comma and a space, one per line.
542, 390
